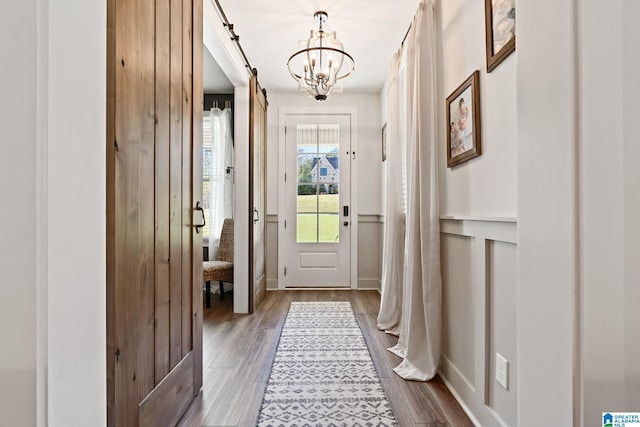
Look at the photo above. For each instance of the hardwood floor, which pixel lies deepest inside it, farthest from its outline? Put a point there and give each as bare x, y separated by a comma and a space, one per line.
239, 350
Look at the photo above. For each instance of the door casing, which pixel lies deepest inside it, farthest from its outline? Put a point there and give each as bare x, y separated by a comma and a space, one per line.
282, 120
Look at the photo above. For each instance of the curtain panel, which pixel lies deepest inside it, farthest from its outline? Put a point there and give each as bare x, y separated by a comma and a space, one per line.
420, 310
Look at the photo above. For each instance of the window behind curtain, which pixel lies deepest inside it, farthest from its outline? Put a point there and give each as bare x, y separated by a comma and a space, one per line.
403, 125
208, 161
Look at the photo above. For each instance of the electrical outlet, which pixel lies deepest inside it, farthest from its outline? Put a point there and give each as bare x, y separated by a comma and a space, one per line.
502, 371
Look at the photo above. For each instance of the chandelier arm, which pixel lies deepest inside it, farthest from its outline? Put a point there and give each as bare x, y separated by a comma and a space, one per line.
333, 49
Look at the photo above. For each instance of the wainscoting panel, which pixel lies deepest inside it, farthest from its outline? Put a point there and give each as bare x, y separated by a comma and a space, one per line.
502, 327
456, 254
272, 252
478, 260
369, 258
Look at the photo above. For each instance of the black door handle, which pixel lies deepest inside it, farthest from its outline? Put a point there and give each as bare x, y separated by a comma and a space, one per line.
204, 222
345, 210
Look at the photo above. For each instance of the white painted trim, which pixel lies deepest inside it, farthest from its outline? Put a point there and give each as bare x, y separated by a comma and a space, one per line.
500, 231
241, 208
354, 128
282, 119
218, 42
368, 283
272, 284
479, 279
479, 218
449, 365
42, 218
465, 408
369, 218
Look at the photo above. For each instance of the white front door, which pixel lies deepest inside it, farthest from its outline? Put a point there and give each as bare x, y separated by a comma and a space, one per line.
317, 199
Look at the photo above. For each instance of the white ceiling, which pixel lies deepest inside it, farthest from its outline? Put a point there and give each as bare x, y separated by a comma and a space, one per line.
370, 30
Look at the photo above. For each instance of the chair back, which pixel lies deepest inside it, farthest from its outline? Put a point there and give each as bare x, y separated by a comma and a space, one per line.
225, 251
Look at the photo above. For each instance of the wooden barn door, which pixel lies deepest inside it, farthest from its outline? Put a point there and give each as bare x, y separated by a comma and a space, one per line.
257, 193
154, 181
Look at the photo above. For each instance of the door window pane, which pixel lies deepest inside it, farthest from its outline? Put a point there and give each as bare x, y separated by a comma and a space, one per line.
328, 228
306, 163
318, 199
307, 228
307, 198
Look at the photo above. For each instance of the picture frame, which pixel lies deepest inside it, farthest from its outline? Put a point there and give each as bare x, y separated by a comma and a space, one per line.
384, 142
463, 122
500, 29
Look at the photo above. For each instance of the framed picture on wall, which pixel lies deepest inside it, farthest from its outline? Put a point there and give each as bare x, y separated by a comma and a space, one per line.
463, 121
384, 142
500, 23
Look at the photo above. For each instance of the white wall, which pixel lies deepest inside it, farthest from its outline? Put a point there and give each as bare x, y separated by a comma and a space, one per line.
610, 206
484, 186
18, 85
76, 214
547, 227
52, 298
477, 198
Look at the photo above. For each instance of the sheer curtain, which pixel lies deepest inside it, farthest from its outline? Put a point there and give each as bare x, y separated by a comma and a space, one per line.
220, 175
421, 291
393, 238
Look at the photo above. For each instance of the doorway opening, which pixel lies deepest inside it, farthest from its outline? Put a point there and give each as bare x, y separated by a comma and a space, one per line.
218, 180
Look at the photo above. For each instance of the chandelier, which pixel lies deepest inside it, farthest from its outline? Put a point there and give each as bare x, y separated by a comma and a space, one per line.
320, 65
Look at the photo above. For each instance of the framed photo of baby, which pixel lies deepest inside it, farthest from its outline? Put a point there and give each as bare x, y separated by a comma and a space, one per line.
463, 121
500, 29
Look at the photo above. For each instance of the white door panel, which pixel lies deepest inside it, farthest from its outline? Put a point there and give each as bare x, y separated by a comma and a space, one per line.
317, 194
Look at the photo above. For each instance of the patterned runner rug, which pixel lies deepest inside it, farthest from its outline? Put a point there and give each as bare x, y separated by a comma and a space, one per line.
323, 375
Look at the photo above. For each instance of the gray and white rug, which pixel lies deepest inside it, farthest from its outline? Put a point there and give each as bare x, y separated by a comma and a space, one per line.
323, 375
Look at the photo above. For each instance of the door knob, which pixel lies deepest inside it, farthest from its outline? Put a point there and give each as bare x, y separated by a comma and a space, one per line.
346, 223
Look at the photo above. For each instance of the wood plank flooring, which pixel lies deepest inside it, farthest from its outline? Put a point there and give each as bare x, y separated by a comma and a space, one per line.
239, 351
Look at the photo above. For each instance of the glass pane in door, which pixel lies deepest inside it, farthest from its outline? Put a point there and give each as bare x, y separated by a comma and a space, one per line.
318, 180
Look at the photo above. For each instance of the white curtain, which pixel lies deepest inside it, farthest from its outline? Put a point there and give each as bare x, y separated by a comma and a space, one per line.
220, 176
421, 294
393, 238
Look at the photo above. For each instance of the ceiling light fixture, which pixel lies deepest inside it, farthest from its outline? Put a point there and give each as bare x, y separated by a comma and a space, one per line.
320, 61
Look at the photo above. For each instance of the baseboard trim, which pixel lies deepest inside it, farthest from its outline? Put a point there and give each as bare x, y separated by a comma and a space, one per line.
461, 402
369, 283
272, 284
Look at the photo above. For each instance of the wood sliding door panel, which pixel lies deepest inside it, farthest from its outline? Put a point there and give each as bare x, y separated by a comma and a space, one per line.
110, 210
134, 211
162, 65
187, 201
175, 186
257, 177
164, 406
145, 94
154, 179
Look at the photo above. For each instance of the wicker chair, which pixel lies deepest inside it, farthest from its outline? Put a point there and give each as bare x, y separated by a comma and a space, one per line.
220, 270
